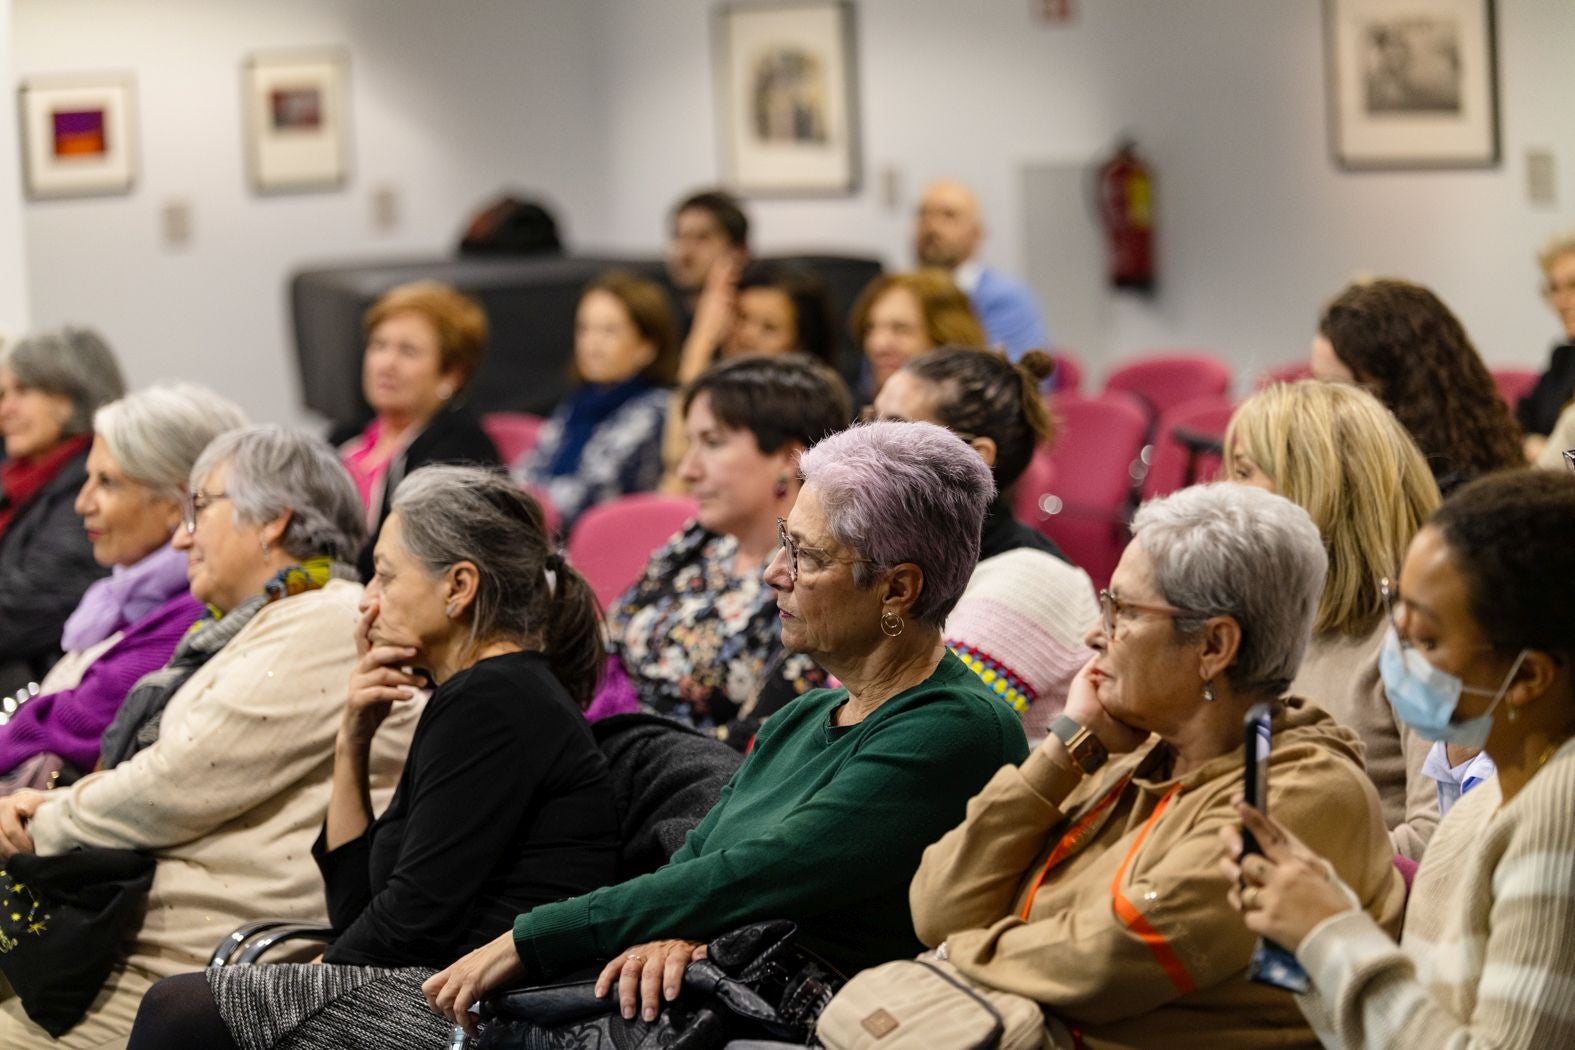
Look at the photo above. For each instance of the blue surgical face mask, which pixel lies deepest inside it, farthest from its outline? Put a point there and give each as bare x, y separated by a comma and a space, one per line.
1425, 697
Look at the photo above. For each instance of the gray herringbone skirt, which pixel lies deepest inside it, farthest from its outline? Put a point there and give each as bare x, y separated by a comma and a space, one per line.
305, 1007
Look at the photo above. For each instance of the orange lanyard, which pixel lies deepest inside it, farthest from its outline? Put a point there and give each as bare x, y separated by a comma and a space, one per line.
1072, 839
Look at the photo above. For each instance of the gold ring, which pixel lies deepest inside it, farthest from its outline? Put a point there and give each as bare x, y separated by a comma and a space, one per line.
632, 957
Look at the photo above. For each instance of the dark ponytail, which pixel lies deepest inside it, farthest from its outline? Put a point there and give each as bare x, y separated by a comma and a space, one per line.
575, 646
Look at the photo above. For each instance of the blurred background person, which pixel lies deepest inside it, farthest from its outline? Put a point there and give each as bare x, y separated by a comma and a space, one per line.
1401, 343
51, 383
708, 228
1540, 409
1336, 452
1022, 618
128, 624
901, 316
424, 342
604, 438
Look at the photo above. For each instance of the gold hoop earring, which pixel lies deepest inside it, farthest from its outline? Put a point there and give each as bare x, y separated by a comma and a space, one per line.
891, 624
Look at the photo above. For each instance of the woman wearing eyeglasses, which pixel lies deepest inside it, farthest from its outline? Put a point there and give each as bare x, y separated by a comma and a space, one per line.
142, 453
1480, 655
1088, 879
219, 764
825, 821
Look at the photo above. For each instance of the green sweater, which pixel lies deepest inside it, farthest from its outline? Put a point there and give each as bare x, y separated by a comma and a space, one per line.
822, 824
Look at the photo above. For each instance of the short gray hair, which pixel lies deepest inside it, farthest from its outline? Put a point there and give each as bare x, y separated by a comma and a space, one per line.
1233, 550
899, 492
156, 435
271, 470
75, 363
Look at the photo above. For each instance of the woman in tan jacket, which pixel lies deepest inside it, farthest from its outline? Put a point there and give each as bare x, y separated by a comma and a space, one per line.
1087, 879
219, 764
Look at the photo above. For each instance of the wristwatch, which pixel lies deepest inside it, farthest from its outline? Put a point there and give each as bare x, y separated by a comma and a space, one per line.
1086, 749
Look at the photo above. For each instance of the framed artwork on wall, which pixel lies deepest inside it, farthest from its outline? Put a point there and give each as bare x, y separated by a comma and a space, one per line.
78, 135
296, 121
1412, 83
787, 97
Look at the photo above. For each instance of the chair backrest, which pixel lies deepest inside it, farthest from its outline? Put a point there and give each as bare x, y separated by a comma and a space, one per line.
1162, 381
1284, 374
1037, 481
514, 433
1068, 375
1084, 511
611, 543
1514, 383
1183, 451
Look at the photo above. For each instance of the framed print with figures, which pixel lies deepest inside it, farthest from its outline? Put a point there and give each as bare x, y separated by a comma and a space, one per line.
78, 135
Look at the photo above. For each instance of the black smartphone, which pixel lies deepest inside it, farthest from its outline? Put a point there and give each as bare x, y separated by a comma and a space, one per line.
1271, 964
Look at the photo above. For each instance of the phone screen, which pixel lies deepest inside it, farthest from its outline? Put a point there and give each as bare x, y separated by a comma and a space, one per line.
1271, 964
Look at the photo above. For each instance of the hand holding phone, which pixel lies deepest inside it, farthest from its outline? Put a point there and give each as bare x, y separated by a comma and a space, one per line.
1271, 964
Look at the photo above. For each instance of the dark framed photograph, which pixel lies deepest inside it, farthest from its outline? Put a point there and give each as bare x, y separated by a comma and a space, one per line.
297, 136
1412, 83
787, 97
78, 135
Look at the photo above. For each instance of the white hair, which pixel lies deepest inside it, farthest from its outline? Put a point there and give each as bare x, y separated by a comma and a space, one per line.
156, 435
1233, 550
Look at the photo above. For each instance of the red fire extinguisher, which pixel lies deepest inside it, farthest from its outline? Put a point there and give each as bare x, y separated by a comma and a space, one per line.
1126, 204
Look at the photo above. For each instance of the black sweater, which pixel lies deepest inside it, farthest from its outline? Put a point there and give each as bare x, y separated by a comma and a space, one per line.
504, 804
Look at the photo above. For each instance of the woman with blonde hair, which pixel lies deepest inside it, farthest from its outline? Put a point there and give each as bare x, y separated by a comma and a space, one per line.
1334, 450
901, 316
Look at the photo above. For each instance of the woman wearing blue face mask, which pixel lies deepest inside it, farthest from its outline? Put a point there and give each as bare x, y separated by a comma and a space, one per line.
1482, 654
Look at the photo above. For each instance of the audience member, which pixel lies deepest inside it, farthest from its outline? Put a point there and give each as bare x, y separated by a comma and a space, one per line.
1540, 409
1401, 343
504, 803
1480, 655
708, 227
697, 636
604, 439
772, 310
825, 821
1121, 931
218, 765
50, 385
127, 625
900, 316
424, 342
1336, 452
1022, 617
947, 234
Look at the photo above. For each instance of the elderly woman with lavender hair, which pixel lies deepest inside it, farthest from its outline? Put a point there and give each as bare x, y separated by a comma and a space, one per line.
827, 818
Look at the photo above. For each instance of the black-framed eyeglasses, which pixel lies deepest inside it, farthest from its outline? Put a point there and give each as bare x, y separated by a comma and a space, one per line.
1112, 608
194, 504
794, 549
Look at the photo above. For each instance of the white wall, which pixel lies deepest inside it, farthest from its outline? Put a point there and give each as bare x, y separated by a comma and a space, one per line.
1226, 97
608, 107
446, 107
13, 247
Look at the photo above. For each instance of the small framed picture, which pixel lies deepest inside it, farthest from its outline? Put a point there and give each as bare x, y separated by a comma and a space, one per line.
78, 135
296, 121
787, 97
1412, 83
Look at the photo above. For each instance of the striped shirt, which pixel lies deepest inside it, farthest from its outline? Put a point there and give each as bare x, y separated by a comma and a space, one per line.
1487, 957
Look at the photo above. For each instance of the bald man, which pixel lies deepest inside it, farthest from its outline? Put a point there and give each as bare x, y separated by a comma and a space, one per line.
947, 234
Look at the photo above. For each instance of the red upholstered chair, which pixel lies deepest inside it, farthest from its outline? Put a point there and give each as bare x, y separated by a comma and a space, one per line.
1084, 510
1163, 381
1514, 384
612, 542
1187, 445
514, 433
1036, 482
1284, 374
1068, 375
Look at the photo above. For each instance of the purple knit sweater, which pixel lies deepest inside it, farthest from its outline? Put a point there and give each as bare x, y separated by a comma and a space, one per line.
70, 722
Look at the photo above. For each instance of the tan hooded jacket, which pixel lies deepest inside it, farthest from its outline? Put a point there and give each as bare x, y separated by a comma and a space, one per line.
1129, 940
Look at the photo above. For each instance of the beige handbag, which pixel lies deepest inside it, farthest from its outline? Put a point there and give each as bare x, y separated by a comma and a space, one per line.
926, 1004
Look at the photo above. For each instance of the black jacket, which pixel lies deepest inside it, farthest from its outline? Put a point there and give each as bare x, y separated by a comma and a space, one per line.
1540, 409
46, 562
453, 436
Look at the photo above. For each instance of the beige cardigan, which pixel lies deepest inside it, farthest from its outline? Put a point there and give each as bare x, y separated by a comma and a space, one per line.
229, 799
1340, 675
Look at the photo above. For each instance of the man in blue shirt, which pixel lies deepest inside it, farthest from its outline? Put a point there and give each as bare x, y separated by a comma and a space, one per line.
946, 234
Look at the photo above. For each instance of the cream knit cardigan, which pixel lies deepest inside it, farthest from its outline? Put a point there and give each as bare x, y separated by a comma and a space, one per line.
1487, 958
229, 799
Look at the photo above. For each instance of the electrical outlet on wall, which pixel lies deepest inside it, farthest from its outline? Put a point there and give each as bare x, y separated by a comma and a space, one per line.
1541, 181
385, 207
175, 222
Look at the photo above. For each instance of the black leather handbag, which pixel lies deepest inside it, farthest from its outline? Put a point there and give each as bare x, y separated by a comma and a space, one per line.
755, 982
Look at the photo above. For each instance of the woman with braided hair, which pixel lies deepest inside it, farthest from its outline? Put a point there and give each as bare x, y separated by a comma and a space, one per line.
1401, 343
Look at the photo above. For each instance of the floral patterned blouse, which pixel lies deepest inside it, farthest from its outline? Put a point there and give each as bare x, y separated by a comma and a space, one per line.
702, 645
